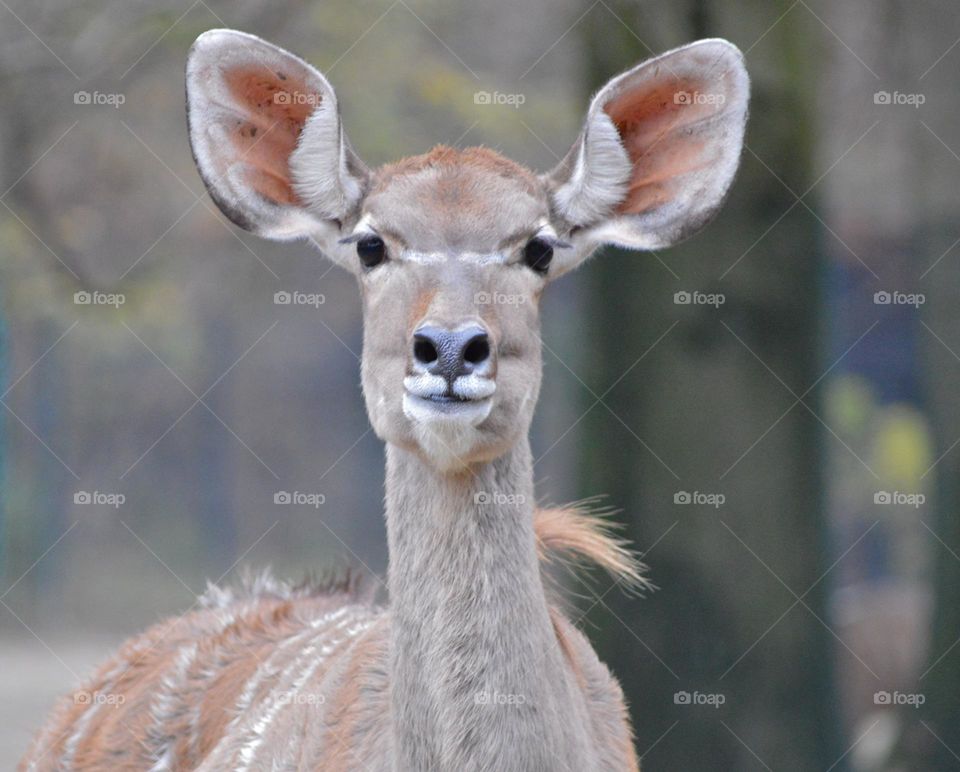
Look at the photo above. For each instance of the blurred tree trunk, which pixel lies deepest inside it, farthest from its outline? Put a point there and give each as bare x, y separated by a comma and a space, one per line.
932, 741
4, 379
935, 743
702, 412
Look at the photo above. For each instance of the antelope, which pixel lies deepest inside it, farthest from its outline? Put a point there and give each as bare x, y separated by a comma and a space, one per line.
470, 665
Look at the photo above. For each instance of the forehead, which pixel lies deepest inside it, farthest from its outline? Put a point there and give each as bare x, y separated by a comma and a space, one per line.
448, 199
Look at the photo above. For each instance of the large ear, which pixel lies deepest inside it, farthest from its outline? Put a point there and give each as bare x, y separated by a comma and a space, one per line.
266, 136
659, 149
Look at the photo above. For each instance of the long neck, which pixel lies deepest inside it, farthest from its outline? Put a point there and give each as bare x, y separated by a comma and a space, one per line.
478, 679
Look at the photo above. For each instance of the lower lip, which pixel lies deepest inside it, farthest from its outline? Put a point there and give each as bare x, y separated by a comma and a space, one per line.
443, 408
443, 399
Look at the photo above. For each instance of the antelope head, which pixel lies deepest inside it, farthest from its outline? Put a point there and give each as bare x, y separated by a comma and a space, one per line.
453, 249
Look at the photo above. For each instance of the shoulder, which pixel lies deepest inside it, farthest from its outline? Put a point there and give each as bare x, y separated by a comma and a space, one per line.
176, 685
609, 717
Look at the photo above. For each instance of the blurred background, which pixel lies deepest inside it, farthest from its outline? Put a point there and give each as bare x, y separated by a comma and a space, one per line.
785, 456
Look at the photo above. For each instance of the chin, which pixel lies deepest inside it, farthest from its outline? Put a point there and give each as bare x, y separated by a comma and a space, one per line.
452, 437
449, 446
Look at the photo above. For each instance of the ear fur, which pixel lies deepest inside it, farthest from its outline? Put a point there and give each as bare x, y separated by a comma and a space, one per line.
659, 148
266, 136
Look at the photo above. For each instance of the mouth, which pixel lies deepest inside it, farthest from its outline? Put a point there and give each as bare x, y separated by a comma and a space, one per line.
446, 399
468, 403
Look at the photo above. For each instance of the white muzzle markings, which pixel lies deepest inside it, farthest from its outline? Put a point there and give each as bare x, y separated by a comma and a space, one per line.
427, 398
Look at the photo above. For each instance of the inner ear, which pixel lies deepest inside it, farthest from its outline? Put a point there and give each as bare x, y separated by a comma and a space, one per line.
275, 106
661, 128
659, 148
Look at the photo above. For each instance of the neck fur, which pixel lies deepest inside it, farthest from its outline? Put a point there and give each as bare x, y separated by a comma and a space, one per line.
477, 672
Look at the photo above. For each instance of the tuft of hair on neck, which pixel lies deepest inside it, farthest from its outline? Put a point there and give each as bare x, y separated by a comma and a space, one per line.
578, 534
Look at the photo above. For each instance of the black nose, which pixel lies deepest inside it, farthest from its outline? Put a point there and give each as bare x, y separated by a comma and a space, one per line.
450, 353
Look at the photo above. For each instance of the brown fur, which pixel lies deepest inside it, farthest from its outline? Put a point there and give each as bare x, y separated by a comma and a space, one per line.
574, 533
450, 158
227, 658
138, 670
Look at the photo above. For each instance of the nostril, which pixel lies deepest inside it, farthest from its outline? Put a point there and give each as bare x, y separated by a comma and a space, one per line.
450, 353
423, 350
477, 350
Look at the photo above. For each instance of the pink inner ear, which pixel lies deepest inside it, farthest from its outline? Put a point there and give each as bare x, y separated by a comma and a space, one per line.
275, 105
657, 129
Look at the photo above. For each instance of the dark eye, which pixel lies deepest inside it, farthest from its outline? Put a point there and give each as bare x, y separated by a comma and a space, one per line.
538, 254
371, 250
